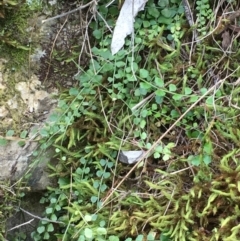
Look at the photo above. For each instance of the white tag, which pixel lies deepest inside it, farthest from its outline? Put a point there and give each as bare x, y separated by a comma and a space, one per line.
130, 157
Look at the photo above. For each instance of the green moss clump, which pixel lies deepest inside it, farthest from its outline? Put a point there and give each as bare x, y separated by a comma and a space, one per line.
15, 34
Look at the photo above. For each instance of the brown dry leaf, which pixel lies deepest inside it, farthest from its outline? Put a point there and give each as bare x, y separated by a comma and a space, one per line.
226, 40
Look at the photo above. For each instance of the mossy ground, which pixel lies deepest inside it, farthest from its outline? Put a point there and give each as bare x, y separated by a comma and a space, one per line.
172, 89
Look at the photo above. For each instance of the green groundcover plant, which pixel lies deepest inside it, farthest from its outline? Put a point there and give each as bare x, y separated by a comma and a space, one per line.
161, 84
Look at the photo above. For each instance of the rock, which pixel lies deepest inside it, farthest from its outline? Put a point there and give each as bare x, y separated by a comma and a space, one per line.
30, 100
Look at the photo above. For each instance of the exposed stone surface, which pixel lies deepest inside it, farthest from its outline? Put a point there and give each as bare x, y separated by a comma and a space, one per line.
29, 104
26, 94
32, 96
14, 160
15, 163
26, 101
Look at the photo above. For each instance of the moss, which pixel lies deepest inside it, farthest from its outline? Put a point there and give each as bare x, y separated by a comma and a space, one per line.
15, 35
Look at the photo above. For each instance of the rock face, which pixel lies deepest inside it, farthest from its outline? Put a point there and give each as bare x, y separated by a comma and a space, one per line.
25, 107
27, 99
14, 160
26, 94
15, 163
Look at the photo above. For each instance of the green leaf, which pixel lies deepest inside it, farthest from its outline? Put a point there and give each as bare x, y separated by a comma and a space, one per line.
113, 238
166, 157
50, 227
136, 120
210, 100
22, 144
159, 149
153, 12
120, 64
94, 199
23, 134
101, 231
53, 117
97, 34
148, 145
143, 73
144, 113
170, 145
110, 164
159, 99
156, 155
164, 20
96, 184
88, 233
99, 173
195, 160
106, 175
143, 91
41, 229
83, 160
49, 210
53, 217
164, 237
154, 106
44, 133
10, 133
177, 97
102, 223
142, 124
188, 91
172, 87
174, 113
103, 162
87, 218
167, 13
94, 217
107, 67
163, 3
73, 92
193, 98
160, 93
3, 142
203, 90
139, 237
207, 159
58, 207
13, 3
137, 92
207, 148
46, 236
146, 24
159, 82
150, 237
53, 200
145, 85
138, 40
106, 54
22, 47
143, 135
110, 79
81, 238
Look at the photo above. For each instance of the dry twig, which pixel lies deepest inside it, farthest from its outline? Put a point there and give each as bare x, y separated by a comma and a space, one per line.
93, 3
